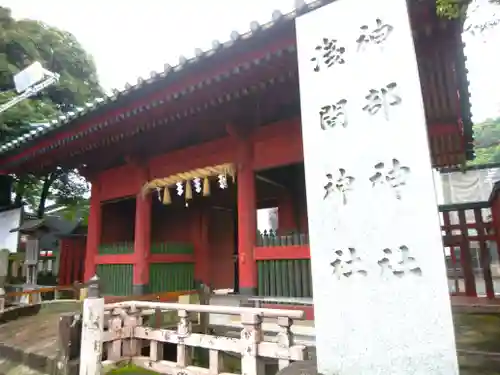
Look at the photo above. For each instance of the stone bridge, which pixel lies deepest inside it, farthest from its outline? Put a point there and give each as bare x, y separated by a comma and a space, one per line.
29, 337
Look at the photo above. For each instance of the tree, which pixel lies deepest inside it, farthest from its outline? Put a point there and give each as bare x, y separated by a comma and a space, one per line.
23, 42
487, 142
455, 8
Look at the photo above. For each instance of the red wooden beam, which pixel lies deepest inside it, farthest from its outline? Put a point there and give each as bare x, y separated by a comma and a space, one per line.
282, 252
308, 310
115, 259
159, 138
153, 258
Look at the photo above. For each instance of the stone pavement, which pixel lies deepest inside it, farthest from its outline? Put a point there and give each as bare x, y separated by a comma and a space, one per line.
32, 339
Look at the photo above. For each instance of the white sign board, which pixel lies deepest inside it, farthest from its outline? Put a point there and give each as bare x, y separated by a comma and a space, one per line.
9, 220
379, 278
29, 77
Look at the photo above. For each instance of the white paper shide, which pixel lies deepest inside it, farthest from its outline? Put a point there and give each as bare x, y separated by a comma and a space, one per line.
380, 289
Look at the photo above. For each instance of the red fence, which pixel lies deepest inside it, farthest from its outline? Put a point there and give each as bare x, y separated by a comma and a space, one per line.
470, 246
470, 250
72, 260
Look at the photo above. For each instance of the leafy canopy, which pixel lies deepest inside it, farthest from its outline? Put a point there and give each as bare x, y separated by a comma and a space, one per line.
455, 8
23, 42
487, 142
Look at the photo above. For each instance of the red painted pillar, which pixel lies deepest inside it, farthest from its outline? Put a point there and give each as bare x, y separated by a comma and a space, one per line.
495, 213
247, 219
63, 268
142, 243
286, 214
202, 247
93, 232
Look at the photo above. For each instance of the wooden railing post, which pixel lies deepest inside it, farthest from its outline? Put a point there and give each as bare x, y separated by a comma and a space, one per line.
284, 340
251, 336
204, 295
68, 341
215, 361
156, 347
183, 331
92, 330
132, 347
114, 348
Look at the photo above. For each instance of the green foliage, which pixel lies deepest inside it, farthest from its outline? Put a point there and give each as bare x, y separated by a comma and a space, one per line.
23, 42
487, 142
451, 8
127, 369
16, 121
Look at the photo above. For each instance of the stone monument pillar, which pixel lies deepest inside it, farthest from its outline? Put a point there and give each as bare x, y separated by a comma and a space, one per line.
34, 230
379, 279
31, 261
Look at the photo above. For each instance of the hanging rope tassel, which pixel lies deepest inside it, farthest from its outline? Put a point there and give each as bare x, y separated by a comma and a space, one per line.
206, 187
166, 196
189, 190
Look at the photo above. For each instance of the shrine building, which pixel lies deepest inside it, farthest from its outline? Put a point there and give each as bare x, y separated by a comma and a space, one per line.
181, 161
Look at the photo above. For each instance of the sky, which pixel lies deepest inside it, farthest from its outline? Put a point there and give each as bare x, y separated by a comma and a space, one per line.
129, 39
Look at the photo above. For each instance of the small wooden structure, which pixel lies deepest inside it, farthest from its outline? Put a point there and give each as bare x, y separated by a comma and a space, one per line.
71, 252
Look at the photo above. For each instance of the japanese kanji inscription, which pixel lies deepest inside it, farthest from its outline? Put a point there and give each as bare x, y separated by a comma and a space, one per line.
374, 231
332, 115
395, 176
328, 53
382, 99
341, 185
347, 263
376, 35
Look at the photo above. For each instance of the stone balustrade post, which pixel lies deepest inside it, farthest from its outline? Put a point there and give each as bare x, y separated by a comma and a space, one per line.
251, 336
184, 329
284, 340
92, 330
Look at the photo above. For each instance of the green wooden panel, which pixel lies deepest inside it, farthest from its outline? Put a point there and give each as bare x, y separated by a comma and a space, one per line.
116, 248
172, 248
170, 277
284, 278
116, 279
272, 238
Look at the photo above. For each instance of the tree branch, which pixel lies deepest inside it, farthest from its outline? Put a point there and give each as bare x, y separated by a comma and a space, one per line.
47, 182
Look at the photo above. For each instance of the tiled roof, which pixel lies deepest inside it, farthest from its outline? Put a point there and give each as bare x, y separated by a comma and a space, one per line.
102, 107
66, 120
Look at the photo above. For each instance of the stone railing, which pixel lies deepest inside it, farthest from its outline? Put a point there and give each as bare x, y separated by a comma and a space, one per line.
116, 333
